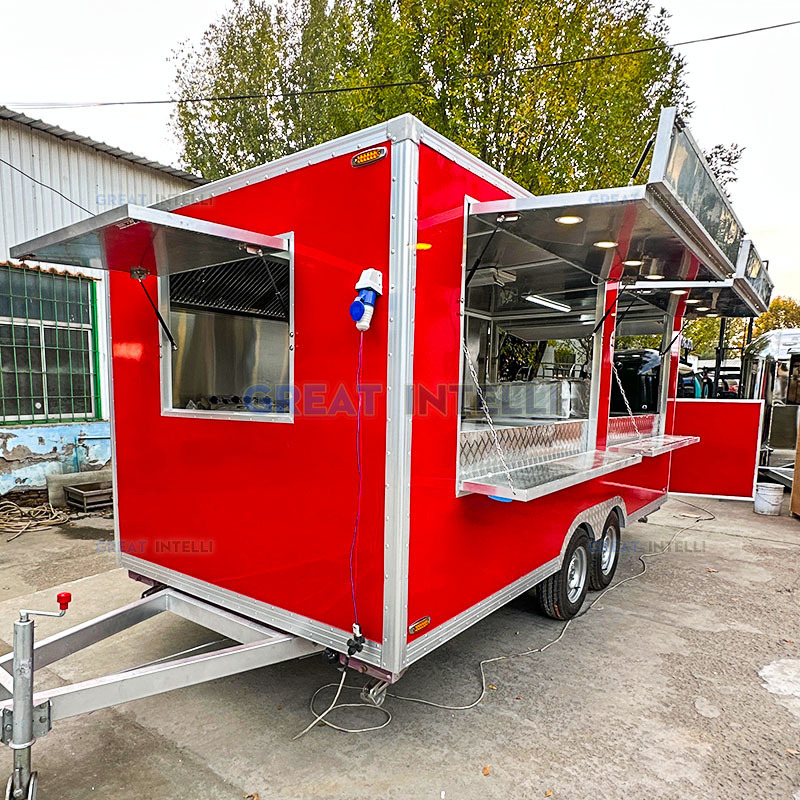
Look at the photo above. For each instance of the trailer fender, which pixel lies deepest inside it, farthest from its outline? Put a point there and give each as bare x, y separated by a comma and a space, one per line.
593, 519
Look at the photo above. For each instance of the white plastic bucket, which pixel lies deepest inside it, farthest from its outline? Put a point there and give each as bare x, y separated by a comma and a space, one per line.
769, 497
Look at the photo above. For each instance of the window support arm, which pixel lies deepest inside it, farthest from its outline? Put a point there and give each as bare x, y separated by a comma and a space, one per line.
139, 275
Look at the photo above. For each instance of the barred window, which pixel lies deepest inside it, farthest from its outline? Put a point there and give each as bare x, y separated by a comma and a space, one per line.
48, 351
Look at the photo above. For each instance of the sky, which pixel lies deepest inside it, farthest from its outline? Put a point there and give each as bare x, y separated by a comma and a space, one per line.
744, 89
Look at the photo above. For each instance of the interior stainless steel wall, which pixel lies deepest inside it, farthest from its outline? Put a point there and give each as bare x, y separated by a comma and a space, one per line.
226, 355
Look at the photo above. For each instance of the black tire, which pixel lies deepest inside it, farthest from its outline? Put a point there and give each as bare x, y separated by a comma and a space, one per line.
605, 554
562, 594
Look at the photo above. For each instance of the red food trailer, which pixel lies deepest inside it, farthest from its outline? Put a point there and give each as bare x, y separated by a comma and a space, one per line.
320, 439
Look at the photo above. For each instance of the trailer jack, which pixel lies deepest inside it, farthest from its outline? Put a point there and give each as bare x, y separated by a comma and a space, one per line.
27, 716
23, 722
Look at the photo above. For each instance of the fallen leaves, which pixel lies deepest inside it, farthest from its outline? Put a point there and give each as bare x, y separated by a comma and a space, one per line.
711, 569
252, 796
548, 793
487, 770
492, 687
792, 752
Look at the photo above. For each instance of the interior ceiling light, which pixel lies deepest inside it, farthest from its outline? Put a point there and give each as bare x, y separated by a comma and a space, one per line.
569, 219
654, 277
703, 308
605, 244
679, 292
712, 315
543, 301
633, 262
692, 301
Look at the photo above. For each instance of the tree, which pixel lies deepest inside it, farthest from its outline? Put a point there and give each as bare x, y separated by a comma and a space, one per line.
784, 312
466, 72
723, 161
704, 333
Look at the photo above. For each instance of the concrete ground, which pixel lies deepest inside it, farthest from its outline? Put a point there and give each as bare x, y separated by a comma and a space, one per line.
682, 683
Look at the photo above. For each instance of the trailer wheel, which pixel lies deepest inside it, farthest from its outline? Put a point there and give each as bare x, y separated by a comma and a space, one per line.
605, 554
561, 595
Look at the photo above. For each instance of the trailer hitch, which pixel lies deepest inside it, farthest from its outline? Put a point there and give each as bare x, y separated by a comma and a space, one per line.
24, 723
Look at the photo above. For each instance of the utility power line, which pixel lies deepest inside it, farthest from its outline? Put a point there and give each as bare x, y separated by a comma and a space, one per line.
400, 84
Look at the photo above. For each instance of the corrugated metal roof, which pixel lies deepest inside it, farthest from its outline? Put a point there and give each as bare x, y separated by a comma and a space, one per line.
41, 166
70, 136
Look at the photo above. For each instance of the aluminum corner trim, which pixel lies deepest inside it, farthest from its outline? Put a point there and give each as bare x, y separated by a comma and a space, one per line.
406, 127
400, 375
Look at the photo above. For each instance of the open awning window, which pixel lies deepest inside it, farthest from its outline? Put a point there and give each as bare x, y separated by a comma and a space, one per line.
675, 235
746, 294
139, 237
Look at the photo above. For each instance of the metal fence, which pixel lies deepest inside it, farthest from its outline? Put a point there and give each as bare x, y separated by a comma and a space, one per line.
48, 347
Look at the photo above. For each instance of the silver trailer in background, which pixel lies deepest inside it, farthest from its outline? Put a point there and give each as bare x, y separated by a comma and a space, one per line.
771, 370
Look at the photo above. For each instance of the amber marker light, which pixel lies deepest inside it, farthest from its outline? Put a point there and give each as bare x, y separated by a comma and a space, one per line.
368, 156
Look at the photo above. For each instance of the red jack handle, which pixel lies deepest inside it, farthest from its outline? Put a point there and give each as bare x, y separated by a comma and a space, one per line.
64, 599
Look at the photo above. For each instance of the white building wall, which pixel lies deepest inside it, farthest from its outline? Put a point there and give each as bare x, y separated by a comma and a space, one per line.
97, 181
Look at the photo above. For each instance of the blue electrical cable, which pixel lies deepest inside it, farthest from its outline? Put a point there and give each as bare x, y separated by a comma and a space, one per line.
353, 560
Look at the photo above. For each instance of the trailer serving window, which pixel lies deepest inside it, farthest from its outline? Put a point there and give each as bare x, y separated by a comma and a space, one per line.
231, 325
225, 299
530, 363
536, 270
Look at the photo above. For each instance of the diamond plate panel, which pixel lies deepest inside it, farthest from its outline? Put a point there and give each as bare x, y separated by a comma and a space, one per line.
522, 446
622, 429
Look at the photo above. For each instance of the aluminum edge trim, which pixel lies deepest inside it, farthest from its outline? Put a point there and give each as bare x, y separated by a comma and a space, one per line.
397, 129
150, 215
458, 155
304, 158
650, 508
283, 620
462, 332
400, 375
447, 630
111, 420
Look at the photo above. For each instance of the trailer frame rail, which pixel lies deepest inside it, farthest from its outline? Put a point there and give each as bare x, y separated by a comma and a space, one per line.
257, 645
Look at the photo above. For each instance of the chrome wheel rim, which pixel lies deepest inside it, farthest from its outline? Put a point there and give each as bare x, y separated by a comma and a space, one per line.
576, 574
608, 550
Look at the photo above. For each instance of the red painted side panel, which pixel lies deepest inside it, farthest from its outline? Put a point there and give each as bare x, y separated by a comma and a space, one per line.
464, 549
724, 462
267, 509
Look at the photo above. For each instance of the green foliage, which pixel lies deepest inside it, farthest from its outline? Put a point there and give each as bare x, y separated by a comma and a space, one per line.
563, 129
641, 342
704, 333
784, 312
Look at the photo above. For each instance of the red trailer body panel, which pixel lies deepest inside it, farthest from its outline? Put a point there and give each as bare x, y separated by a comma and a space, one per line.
241, 505
725, 462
